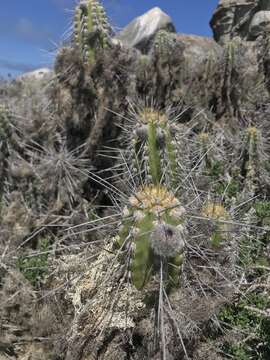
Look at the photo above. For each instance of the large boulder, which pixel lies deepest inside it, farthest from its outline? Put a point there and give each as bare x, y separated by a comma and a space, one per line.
196, 49
264, 4
260, 21
232, 18
141, 31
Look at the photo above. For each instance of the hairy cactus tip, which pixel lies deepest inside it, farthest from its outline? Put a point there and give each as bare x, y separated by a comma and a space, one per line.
91, 29
153, 226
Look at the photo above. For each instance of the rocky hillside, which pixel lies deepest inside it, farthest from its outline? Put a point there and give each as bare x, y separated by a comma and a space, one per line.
134, 193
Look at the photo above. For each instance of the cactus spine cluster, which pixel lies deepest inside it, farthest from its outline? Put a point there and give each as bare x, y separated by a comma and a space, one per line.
92, 29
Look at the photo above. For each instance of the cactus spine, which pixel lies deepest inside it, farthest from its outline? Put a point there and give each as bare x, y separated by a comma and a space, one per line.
92, 29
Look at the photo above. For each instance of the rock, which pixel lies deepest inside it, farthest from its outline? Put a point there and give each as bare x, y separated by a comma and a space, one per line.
196, 49
140, 32
264, 4
232, 18
259, 23
38, 74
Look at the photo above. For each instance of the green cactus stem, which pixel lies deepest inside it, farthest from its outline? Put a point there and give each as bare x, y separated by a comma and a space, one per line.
91, 29
154, 151
153, 228
253, 156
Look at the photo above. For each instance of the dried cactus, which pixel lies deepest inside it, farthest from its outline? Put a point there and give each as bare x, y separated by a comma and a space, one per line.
92, 29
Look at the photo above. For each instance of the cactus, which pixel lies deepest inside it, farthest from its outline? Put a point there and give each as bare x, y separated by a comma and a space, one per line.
154, 149
153, 228
163, 44
219, 215
5, 134
92, 29
209, 154
253, 157
230, 87
208, 75
4, 124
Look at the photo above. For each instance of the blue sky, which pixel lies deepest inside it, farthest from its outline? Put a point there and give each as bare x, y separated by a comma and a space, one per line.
30, 30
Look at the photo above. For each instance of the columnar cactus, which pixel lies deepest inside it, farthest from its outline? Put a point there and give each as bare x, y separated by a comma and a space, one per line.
5, 133
209, 154
230, 86
154, 149
163, 43
253, 157
152, 229
92, 29
221, 222
4, 124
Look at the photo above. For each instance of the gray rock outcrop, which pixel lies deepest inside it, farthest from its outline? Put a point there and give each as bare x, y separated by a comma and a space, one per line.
260, 21
246, 19
232, 18
196, 49
141, 31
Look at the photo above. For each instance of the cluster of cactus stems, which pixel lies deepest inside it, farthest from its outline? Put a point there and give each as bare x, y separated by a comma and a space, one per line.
153, 223
91, 29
